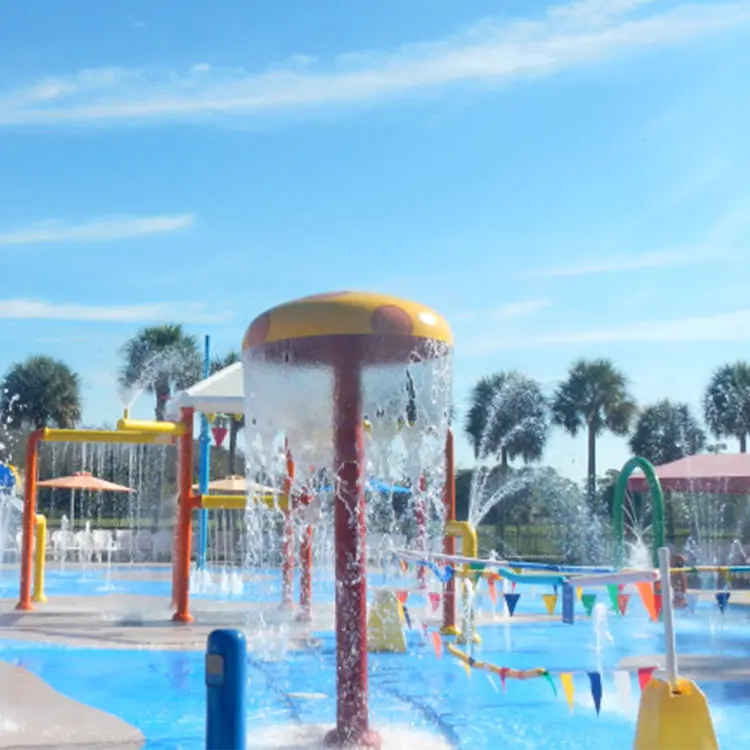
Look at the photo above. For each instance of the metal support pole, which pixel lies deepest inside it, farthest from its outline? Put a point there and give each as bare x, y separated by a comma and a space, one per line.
667, 609
204, 475
226, 677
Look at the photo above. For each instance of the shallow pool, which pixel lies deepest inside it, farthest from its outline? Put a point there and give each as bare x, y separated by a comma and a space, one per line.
162, 693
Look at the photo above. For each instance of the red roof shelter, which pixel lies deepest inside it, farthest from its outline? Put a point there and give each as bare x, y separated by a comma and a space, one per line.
718, 473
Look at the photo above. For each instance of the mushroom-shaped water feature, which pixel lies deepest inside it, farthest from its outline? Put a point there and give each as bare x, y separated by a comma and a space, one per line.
314, 368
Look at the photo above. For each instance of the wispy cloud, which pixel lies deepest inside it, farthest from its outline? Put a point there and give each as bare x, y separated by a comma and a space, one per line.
26, 309
520, 309
567, 35
101, 230
732, 327
619, 263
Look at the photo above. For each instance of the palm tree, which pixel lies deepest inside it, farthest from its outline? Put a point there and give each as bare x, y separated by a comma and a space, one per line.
41, 391
161, 359
236, 421
508, 417
595, 398
726, 402
667, 431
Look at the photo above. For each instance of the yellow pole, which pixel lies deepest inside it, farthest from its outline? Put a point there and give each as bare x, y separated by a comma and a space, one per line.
53, 435
40, 559
176, 429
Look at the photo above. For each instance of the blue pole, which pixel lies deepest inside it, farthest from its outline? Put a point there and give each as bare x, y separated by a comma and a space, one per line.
204, 474
226, 676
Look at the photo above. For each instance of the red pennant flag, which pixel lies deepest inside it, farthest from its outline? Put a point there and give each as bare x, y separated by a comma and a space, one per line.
491, 587
437, 643
622, 603
644, 676
657, 604
402, 596
219, 434
434, 600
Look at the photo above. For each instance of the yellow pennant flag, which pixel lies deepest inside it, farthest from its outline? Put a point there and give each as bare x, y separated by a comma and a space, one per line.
579, 593
566, 678
550, 601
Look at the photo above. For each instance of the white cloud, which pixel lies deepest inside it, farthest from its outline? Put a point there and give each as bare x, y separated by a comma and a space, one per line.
733, 327
619, 263
27, 309
510, 310
572, 34
101, 230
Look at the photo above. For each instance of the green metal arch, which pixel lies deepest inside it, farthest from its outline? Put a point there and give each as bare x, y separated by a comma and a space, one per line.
618, 509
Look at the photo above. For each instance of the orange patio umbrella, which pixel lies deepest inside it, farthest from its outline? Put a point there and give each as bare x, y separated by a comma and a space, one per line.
82, 480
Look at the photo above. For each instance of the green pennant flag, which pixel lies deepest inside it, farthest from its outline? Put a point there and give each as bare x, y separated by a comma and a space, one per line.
547, 676
477, 566
588, 601
614, 594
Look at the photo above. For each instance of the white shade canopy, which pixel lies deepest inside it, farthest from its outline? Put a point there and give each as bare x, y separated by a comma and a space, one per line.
221, 393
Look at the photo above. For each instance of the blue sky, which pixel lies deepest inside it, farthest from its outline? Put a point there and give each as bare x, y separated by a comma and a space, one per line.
558, 180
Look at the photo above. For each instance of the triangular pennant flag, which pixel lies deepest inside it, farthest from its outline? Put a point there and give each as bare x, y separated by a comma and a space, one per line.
511, 600
550, 602
614, 592
547, 676
434, 600
437, 644
622, 603
566, 678
477, 566
657, 597
623, 687
646, 592
588, 601
579, 593
722, 597
403, 565
491, 589
220, 434
402, 596
644, 676
596, 687
406, 616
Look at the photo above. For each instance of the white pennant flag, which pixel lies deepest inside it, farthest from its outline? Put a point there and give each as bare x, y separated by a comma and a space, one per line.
623, 687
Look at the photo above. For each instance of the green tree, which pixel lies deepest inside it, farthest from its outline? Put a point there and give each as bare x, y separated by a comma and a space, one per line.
161, 359
235, 421
667, 431
508, 417
40, 392
594, 397
726, 402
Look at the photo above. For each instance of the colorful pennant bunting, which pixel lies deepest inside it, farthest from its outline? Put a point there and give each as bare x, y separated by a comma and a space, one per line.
722, 598
566, 678
550, 602
595, 680
588, 601
510, 601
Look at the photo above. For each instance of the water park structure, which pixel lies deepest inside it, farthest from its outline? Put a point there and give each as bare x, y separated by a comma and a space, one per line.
327, 374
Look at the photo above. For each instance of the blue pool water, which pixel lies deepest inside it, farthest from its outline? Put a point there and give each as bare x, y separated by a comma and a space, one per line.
162, 693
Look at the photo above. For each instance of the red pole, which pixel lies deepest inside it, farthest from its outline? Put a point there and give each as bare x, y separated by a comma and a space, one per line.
184, 522
29, 518
306, 561
352, 720
421, 530
287, 545
449, 543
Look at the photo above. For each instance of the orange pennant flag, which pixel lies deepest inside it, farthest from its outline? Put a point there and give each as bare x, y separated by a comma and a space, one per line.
491, 587
646, 591
437, 643
566, 678
402, 596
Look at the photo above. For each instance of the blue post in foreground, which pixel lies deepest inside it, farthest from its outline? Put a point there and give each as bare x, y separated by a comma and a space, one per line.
226, 675
204, 471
